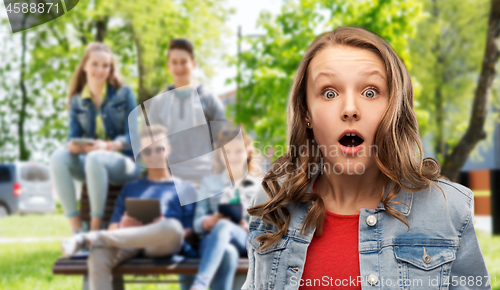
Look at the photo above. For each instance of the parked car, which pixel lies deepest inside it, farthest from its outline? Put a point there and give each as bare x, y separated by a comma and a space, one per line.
25, 187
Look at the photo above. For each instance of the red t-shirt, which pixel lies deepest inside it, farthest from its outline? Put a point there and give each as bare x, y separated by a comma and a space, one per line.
333, 258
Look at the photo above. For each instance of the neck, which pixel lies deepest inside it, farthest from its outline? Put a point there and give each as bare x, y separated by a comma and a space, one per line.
347, 194
96, 90
238, 173
159, 174
181, 83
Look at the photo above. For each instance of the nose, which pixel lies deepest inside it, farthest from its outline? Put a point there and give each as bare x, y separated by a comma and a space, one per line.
350, 110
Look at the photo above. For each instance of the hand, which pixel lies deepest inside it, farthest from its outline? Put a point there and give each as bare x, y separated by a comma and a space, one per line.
243, 223
97, 145
210, 221
74, 148
129, 222
188, 232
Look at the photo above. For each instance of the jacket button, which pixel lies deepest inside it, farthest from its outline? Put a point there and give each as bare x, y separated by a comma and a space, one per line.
372, 279
371, 220
426, 257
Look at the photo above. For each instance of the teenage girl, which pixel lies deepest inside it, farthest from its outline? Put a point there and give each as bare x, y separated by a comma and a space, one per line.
353, 203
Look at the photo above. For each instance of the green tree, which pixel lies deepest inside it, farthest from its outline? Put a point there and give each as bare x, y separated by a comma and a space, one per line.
138, 33
481, 103
449, 47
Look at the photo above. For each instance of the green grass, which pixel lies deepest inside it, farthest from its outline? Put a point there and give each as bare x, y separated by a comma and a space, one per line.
42, 225
29, 266
482, 192
490, 246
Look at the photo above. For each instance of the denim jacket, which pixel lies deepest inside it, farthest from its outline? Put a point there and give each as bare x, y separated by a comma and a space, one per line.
390, 255
115, 108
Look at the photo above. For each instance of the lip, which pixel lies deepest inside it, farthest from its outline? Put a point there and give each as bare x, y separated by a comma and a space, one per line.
351, 150
351, 131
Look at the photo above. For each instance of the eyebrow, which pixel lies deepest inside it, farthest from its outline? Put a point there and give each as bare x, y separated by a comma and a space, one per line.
365, 73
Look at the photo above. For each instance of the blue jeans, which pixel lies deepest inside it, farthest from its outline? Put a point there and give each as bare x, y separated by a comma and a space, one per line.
97, 169
220, 251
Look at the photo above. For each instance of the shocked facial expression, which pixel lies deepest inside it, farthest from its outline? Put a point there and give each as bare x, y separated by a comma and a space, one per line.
347, 95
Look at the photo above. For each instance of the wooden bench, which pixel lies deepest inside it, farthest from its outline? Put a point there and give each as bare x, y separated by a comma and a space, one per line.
135, 266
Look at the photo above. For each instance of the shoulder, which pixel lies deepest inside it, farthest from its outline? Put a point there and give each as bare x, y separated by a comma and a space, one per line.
260, 196
169, 88
75, 99
134, 183
183, 184
124, 90
205, 94
458, 196
456, 207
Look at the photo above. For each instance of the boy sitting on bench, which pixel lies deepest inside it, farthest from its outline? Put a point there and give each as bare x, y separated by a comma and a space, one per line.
126, 236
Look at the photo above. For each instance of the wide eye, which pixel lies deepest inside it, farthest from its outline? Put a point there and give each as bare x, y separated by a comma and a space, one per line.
370, 93
329, 94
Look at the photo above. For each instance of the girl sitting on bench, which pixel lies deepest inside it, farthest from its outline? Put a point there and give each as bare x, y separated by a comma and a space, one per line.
99, 105
224, 241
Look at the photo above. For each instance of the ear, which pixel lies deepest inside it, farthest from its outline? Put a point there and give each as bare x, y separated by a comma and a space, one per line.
308, 118
168, 149
194, 63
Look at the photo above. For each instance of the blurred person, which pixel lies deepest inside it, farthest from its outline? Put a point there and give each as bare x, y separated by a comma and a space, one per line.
223, 241
99, 105
181, 63
127, 237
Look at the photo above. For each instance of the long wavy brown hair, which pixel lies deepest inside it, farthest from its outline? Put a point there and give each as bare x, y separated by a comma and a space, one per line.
80, 78
400, 150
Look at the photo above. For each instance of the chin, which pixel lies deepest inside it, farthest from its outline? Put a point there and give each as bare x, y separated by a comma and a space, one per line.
346, 166
99, 80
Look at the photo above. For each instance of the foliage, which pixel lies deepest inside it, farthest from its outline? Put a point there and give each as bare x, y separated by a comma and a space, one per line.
55, 48
448, 50
268, 68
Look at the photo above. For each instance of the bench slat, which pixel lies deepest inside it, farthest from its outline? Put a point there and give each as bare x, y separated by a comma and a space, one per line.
64, 266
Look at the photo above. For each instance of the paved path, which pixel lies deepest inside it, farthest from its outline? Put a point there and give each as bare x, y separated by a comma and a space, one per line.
27, 240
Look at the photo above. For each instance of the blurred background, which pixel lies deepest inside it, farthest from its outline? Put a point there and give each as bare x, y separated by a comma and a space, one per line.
247, 54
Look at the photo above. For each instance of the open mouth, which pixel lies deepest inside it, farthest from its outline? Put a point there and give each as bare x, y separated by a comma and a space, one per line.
351, 140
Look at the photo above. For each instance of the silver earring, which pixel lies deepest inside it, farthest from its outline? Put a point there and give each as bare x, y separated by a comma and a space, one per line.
308, 124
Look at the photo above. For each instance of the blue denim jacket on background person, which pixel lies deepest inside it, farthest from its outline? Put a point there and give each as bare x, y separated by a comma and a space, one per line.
115, 108
389, 253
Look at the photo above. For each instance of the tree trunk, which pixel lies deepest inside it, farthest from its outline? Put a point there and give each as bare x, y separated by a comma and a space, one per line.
475, 132
24, 154
101, 26
143, 93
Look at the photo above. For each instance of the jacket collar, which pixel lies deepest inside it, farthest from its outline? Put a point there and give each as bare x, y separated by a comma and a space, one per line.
109, 92
405, 197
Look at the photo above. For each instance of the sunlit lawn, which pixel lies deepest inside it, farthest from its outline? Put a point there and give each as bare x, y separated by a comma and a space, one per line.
26, 266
